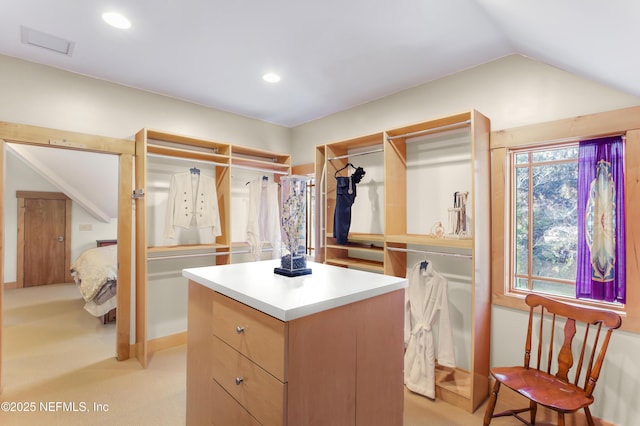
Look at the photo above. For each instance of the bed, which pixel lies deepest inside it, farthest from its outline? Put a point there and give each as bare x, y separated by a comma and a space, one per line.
95, 273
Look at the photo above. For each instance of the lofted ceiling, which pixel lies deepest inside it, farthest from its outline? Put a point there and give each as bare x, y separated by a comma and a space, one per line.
332, 54
88, 178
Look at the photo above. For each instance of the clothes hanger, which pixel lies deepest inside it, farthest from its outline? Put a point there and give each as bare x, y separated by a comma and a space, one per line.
345, 167
264, 179
424, 264
194, 170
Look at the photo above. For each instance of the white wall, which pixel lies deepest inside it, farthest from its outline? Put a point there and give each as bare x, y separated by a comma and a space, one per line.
512, 91
23, 178
37, 95
43, 96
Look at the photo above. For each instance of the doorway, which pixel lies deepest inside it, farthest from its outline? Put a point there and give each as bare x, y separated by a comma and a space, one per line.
125, 150
44, 238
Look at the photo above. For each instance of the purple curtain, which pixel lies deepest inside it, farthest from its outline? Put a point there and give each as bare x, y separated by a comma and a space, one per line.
601, 273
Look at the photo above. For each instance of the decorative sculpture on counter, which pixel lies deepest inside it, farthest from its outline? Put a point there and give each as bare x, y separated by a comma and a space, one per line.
293, 219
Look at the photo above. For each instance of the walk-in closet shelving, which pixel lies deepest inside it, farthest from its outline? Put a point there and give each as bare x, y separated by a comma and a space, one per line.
258, 159
364, 250
248, 164
320, 205
425, 164
158, 155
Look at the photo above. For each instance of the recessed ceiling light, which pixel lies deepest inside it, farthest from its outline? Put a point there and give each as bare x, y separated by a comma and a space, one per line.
116, 20
271, 77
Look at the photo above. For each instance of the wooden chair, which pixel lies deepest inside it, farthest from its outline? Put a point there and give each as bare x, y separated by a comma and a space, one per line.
536, 382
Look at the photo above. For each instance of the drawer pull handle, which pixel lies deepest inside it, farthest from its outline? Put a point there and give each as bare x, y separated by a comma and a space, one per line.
239, 380
239, 329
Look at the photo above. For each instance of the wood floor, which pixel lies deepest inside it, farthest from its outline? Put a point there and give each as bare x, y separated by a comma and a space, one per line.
60, 369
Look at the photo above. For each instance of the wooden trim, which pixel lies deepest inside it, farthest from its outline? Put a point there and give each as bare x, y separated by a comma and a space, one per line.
631, 320
41, 195
20, 247
625, 121
303, 169
2, 206
499, 235
576, 128
141, 346
11, 285
26, 134
162, 343
67, 239
125, 233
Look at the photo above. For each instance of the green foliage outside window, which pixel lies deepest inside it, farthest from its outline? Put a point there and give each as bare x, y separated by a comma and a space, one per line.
544, 219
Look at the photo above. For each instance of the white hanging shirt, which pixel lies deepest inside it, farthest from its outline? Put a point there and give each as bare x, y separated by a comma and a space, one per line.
263, 218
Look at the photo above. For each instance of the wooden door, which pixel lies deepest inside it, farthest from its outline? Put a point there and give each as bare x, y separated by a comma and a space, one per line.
43, 235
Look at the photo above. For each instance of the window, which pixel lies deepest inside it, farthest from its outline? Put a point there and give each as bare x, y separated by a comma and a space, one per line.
563, 228
505, 145
544, 233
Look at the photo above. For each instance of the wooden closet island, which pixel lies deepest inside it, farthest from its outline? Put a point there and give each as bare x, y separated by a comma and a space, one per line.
319, 349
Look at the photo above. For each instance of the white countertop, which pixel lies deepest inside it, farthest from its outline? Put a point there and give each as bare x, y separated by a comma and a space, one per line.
256, 285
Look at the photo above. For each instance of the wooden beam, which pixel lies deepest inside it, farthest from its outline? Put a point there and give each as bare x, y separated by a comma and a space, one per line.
35, 135
576, 128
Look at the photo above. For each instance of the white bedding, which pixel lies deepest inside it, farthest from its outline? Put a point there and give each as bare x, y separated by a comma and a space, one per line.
95, 272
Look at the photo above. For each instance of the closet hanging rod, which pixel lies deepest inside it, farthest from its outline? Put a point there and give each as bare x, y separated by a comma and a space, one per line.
355, 154
189, 160
278, 172
180, 256
431, 130
249, 251
442, 253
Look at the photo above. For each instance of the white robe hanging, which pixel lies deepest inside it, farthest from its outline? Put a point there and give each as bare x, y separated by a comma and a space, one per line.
264, 218
426, 301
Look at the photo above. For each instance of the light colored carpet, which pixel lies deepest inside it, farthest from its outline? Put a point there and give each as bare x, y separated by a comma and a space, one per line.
59, 368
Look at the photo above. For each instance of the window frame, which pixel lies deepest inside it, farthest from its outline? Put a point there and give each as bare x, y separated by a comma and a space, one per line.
512, 252
624, 121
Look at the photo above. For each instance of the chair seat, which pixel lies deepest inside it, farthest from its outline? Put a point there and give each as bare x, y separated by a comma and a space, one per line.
543, 388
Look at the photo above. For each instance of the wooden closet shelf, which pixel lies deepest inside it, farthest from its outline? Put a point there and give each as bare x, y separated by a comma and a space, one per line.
223, 148
189, 247
425, 240
369, 265
357, 247
262, 164
186, 153
453, 385
259, 155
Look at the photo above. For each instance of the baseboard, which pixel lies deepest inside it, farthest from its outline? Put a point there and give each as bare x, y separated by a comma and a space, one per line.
8, 286
511, 399
161, 343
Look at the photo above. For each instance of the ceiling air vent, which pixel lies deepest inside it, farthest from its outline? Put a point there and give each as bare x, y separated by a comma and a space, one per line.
46, 41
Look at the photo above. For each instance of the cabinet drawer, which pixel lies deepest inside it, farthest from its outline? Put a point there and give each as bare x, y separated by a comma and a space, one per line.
256, 335
227, 411
254, 388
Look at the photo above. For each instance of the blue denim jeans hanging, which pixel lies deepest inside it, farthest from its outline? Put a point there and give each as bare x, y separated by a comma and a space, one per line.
345, 196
